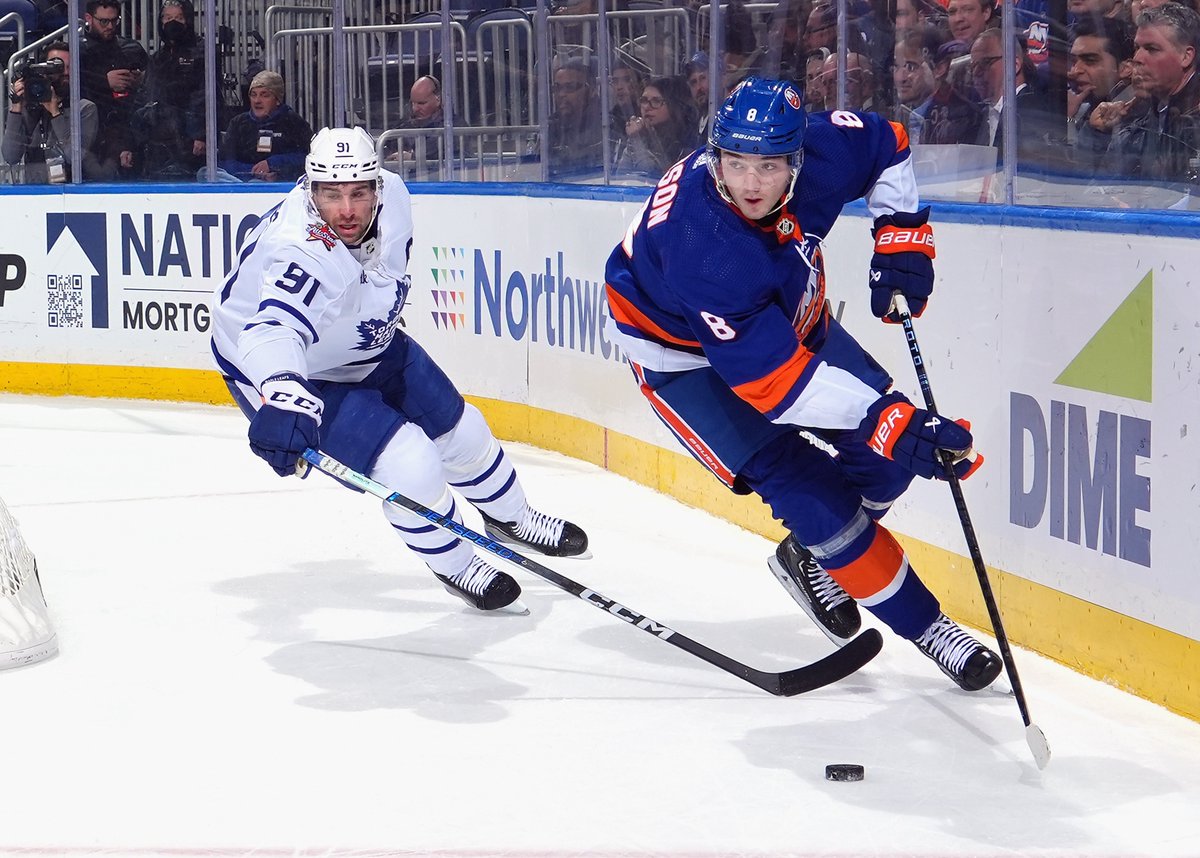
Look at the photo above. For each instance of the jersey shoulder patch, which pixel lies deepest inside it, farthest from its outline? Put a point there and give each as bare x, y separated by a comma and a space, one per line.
323, 233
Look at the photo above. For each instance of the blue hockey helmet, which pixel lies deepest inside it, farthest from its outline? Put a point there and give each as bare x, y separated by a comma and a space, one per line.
760, 117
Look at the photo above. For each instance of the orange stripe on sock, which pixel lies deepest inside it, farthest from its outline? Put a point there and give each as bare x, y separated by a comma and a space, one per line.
875, 570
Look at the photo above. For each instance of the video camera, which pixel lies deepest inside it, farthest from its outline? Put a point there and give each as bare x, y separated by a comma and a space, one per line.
39, 78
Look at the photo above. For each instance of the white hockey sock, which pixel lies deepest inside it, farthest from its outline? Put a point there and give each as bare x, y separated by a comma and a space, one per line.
479, 469
411, 465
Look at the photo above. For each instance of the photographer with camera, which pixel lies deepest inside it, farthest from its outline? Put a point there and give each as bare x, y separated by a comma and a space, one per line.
38, 130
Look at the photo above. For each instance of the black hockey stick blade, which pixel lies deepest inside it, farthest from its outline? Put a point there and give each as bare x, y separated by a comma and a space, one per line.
837, 665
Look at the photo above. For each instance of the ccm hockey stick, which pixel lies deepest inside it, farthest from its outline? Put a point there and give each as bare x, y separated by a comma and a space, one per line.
837, 665
1033, 734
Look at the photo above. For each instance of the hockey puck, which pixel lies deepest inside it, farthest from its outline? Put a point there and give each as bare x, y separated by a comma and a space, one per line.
844, 772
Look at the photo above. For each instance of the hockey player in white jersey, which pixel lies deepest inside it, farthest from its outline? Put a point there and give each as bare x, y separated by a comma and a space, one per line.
305, 334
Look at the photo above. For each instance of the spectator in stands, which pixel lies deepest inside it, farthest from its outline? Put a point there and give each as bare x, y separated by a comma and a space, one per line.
821, 29
1041, 130
786, 38
1156, 135
269, 141
911, 14
38, 132
664, 132
912, 76
424, 111
625, 81
168, 113
111, 71
949, 116
741, 43
969, 18
1101, 70
860, 83
575, 128
696, 72
814, 80
1083, 9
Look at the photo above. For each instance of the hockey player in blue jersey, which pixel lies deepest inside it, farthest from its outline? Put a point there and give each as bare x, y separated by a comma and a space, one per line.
305, 333
717, 296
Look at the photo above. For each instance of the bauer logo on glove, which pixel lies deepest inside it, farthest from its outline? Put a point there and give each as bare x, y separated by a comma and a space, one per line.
915, 438
902, 262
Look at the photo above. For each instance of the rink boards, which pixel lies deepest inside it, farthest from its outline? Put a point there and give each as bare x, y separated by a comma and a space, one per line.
1069, 344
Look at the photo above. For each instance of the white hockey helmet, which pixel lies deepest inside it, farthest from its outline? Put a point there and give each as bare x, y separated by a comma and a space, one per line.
342, 155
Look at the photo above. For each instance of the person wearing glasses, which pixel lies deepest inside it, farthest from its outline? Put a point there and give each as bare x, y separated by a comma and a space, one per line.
576, 145
1041, 128
111, 69
663, 131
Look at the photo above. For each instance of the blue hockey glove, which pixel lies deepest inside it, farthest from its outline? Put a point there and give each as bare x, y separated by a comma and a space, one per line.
903, 262
913, 438
287, 423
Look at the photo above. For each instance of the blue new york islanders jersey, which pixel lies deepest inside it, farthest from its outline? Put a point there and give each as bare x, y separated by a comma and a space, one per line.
694, 283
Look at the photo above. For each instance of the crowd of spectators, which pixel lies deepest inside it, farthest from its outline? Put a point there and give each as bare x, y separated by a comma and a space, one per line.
142, 115
1109, 92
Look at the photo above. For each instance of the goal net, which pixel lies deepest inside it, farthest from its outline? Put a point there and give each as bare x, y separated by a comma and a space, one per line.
26, 635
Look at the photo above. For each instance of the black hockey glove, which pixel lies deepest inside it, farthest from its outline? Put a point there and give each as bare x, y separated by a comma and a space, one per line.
288, 422
903, 262
913, 438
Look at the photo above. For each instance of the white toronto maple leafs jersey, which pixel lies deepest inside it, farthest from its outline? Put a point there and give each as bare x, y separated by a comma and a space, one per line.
299, 300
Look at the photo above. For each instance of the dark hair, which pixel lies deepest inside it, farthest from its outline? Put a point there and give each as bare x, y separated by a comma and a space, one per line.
56, 46
677, 135
93, 5
1116, 35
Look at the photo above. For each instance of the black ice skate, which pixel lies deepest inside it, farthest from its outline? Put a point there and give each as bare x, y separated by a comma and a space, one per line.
969, 663
540, 533
822, 598
483, 586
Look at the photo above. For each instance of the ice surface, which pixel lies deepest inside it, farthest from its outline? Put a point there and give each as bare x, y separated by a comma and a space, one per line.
257, 666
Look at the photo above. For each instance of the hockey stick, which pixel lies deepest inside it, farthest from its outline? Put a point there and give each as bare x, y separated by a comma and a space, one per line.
837, 665
1033, 734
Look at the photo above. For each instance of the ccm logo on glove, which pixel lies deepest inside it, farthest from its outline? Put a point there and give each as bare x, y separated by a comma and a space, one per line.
290, 392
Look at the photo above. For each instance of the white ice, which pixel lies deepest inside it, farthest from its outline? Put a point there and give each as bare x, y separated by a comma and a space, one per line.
257, 666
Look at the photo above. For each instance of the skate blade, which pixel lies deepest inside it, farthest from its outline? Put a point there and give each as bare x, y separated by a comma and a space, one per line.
516, 606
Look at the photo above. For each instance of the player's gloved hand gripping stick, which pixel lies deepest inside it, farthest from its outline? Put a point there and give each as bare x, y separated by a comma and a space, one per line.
837, 665
1033, 734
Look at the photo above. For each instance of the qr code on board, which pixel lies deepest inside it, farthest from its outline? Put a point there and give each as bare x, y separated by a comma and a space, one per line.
64, 300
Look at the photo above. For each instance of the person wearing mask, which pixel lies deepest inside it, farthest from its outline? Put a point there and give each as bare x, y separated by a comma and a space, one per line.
168, 115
